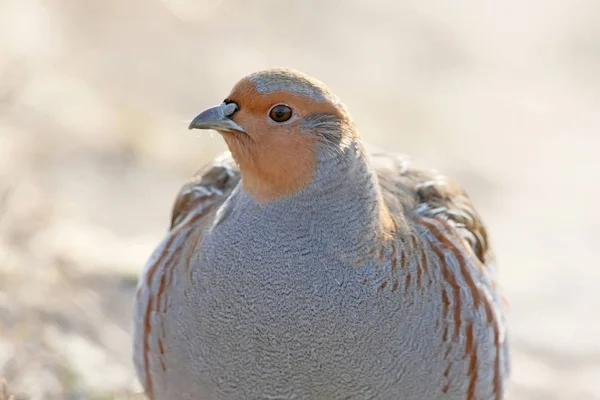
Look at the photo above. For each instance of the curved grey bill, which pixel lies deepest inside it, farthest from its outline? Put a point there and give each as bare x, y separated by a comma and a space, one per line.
216, 118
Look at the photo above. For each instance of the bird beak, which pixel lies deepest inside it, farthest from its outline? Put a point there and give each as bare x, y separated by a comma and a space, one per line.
217, 118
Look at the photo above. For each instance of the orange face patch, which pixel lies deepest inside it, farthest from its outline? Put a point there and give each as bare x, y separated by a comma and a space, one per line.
275, 159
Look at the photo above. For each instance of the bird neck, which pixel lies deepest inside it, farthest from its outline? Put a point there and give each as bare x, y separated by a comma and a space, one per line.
342, 204
346, 189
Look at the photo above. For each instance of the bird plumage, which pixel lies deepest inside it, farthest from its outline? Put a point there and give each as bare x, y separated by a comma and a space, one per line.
347, 274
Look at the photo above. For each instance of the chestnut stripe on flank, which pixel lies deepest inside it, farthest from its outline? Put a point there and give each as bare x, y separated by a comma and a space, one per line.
446, 304
372, 252
445, 388
166, 250
451, 280
498, 383
161, 289
419, 264
172, 261
147, 330
445, 309
148, 281
170, 264
381, 254
393, 256
187, 256
414, 241
468, 340
167, 274
161, 350
458, 254
445, 334
472, 364
424, 261
489, 313
148, 313
497, 372
447, 373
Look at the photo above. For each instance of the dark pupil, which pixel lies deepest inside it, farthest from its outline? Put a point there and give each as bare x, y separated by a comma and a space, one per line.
281, 113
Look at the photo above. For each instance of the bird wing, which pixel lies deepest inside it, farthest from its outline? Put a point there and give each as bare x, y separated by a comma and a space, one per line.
206, 191
419, 192
439, 211
195, 207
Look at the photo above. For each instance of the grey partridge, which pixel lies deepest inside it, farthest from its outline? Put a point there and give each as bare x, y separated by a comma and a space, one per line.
302, 266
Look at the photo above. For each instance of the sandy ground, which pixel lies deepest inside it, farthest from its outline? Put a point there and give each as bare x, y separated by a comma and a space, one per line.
94, 98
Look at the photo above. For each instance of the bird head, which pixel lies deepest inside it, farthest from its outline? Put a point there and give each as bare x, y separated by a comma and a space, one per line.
279, 124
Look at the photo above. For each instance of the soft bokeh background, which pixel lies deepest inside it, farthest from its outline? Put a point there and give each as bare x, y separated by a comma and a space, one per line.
94, 98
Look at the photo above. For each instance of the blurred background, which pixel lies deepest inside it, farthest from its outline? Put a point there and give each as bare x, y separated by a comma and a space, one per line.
94, 99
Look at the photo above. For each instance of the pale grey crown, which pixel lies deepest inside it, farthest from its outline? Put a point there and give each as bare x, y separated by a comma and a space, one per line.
289, 80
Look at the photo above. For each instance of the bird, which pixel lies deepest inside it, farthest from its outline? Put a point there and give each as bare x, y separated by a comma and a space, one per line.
305, 264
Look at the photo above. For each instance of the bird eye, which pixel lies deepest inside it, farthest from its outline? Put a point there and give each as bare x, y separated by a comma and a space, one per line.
280, 113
